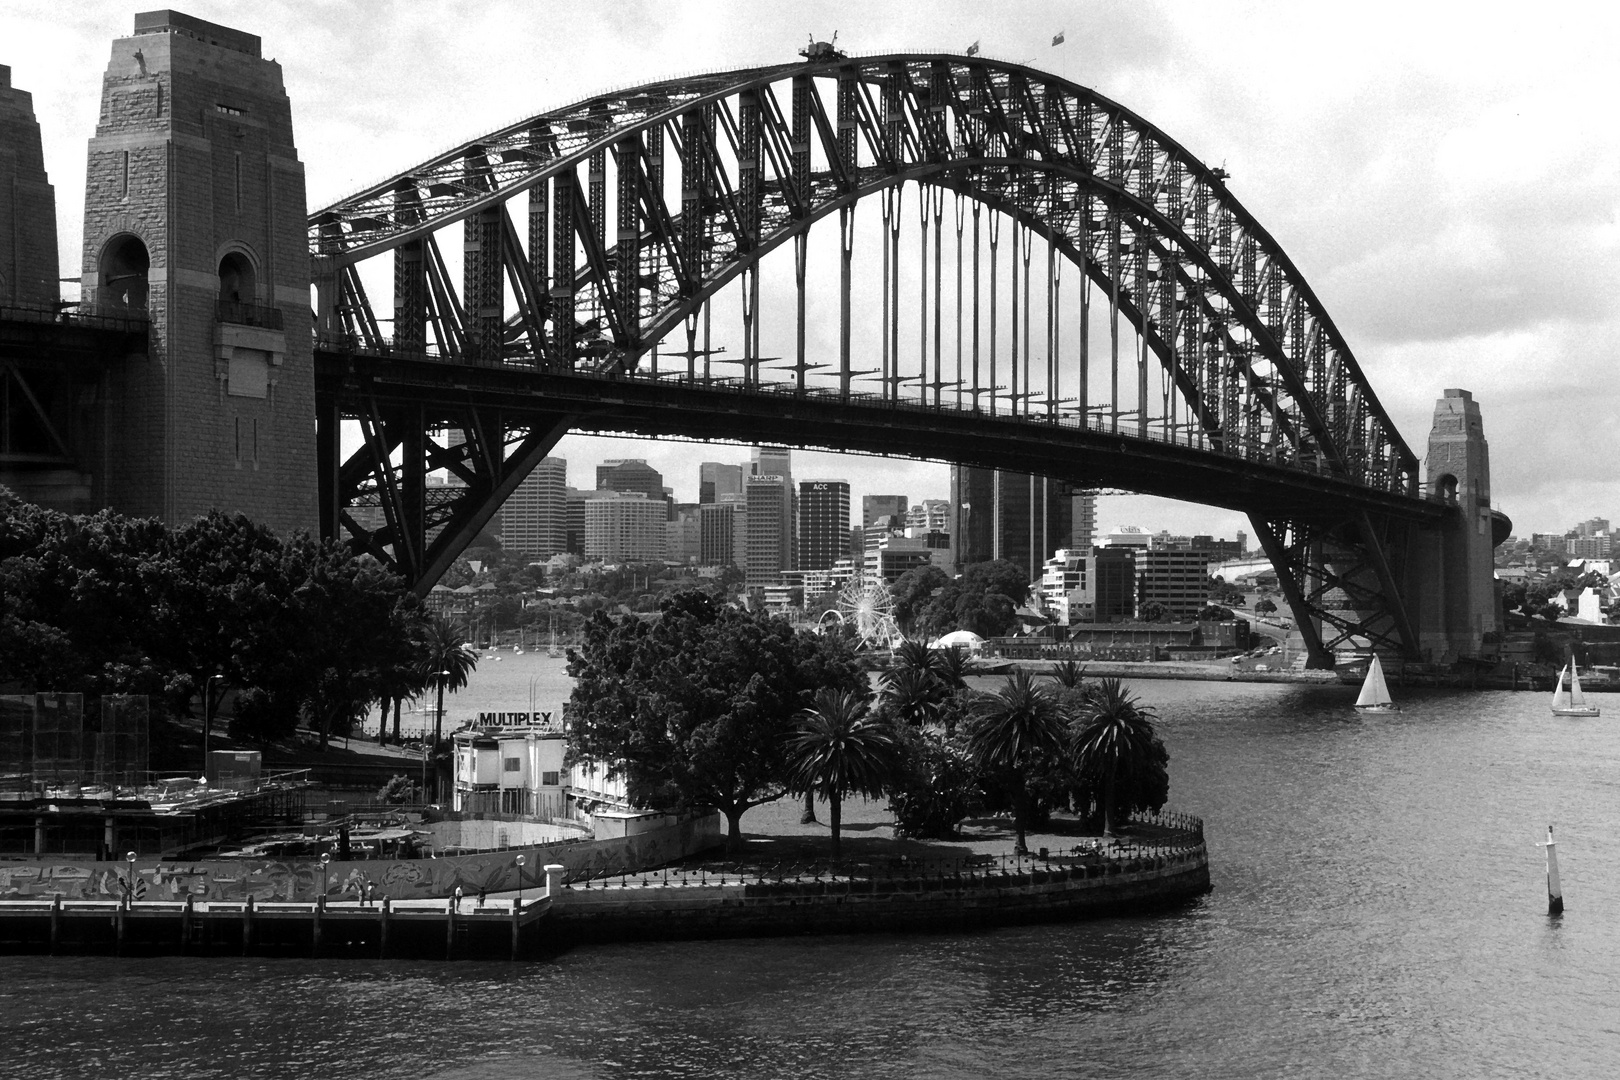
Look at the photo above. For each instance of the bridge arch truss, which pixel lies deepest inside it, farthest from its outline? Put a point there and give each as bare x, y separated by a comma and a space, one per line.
597, 235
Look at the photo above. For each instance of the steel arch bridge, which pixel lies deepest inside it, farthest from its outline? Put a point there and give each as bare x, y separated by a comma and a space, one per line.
1184, 354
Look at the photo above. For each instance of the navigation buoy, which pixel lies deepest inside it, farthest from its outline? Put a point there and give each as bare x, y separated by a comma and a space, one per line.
1555, 891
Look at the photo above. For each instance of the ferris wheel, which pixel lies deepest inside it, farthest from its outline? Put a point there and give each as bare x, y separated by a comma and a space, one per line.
866, 604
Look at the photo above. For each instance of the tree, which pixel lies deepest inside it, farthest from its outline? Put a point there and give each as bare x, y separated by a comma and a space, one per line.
913, 591
842, 749
936, 788
913, 695
694, 708
1117, 753
447, 662
1215, 613
1153, 612
1069, 674
1010, 731
1265, 606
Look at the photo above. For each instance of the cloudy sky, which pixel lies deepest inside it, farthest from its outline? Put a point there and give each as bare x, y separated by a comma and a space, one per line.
1446, 176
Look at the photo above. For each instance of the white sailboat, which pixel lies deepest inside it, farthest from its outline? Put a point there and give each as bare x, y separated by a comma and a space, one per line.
554, 649
1374, 696
1571, 702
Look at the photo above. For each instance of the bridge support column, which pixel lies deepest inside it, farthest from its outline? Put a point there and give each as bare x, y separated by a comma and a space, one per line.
1452, 569
194, 214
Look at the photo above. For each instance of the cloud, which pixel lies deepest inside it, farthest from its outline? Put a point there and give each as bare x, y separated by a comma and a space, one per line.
1448, 183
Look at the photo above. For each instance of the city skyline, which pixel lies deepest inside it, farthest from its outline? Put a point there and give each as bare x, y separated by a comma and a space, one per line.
1435, 187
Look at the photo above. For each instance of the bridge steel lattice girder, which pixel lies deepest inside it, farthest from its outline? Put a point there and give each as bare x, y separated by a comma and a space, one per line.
649, 407
988, 83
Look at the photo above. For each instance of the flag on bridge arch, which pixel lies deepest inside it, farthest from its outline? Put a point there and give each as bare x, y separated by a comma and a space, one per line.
1057, 39
973, 49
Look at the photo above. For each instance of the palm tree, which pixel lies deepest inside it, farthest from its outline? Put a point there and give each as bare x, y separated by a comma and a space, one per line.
1113, 740
914, 694
914, 655
1012, 730
952, 666
1068, 674
842, 749
447, 662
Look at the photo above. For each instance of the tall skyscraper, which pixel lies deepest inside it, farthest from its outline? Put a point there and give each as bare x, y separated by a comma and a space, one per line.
771, 461
823, 523
1084, 533
534, 519
1013, 516
716, 479
778, 461
881, 506
717, 538
769, 548
624, 527
635, 475
575, 540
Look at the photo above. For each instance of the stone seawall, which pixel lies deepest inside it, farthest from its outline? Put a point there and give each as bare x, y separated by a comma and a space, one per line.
640, 910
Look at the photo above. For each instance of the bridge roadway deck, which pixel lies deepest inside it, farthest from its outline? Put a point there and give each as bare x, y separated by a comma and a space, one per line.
1064, 449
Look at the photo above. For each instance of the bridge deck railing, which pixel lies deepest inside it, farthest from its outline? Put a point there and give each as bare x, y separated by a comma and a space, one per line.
1097, 418
100, 317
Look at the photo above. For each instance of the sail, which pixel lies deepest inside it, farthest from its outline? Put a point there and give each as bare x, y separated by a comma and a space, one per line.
1374, 691
1575, 696
1560, 698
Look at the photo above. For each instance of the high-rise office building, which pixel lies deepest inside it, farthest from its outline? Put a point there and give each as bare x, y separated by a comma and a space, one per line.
769, 547
534, 518
635, 475
685, 535
623, 527
716, 479
1112, 571
874, 507
1176, 578
1084, 533
771, 461
574, 542
823, 523
717, 538
1013, 516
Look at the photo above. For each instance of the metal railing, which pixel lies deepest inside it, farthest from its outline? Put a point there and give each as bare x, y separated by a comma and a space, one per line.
96, 316
1181, 843
245, 313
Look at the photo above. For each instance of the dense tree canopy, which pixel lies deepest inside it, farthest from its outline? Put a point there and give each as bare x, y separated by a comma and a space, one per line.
694, 707
105, 604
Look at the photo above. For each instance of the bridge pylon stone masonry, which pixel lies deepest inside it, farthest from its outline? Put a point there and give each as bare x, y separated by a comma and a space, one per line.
1452, 567
195, 212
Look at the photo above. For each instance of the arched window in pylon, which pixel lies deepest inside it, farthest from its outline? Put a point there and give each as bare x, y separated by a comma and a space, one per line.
238, 283
125, 266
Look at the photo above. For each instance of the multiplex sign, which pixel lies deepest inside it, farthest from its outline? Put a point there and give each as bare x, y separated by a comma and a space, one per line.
514, 719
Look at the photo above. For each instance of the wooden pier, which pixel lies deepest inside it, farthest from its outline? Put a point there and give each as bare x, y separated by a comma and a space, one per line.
452, 928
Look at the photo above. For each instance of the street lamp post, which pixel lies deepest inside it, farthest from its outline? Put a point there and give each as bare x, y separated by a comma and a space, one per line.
129, 882
326, 857
208, 715
519, 861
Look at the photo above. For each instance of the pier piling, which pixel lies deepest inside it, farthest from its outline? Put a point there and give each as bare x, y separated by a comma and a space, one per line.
247, 926
382, 929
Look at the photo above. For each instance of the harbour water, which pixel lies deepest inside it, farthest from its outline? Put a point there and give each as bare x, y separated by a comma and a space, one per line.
1379, 910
